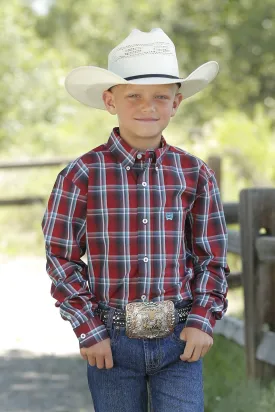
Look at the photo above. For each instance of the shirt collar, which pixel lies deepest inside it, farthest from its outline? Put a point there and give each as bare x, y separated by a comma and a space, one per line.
126, 154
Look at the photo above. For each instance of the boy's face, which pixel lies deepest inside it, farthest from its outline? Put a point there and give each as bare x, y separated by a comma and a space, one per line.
143, 111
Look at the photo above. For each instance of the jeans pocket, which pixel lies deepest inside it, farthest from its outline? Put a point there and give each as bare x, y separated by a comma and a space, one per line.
175, 336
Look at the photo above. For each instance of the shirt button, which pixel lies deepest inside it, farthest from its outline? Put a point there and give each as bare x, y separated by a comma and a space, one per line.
128, 168
145, 259
139, 156
144, 184
144, 221
156, 168
83, 335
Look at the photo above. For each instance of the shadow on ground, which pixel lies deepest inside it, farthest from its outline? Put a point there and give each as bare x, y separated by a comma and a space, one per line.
31, 383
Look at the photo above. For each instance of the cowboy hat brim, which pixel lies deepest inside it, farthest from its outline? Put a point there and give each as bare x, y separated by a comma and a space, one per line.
87, 83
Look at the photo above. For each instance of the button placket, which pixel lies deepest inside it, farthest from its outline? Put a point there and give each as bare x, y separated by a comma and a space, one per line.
143, 221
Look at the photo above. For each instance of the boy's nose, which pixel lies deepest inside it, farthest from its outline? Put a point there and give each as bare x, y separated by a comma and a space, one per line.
148, 105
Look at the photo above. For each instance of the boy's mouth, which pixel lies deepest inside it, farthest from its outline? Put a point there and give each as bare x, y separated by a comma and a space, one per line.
147, 119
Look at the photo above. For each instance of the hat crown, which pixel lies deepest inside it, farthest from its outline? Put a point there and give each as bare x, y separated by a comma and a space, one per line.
143, 53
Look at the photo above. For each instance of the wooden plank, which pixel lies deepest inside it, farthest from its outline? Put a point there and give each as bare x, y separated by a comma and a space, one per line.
214, 162
22, 201
231, 212
234, 280
248, 213
265, 246
256, 211
234, 241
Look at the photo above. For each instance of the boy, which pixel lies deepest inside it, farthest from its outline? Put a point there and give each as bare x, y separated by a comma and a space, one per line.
150, 218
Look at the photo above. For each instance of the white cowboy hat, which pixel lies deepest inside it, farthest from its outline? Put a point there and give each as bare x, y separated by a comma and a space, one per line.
142, 58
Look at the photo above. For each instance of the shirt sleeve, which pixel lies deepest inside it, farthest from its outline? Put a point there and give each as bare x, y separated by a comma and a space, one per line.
64, 229
207, 242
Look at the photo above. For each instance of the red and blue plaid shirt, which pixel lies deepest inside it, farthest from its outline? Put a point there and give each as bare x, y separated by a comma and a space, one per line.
151, 223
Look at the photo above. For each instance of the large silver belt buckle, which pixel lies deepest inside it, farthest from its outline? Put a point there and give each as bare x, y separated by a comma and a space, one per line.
150, 319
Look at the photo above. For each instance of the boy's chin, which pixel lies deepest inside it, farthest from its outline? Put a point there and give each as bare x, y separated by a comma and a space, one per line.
147, 131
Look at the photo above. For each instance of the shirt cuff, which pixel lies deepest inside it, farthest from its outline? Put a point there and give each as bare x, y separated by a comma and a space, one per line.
201, 318
91, 332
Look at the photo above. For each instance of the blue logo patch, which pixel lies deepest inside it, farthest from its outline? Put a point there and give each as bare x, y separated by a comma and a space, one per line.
169, 215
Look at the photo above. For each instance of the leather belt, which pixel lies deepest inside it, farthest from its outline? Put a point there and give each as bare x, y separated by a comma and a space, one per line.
119, 316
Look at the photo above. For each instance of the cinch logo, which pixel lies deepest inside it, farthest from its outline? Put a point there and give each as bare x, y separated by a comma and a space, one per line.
169, 215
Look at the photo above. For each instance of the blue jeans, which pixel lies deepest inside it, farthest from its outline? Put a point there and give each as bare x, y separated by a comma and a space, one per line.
147, 367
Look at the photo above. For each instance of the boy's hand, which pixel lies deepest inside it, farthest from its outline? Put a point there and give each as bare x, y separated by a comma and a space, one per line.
99, 355
198, 344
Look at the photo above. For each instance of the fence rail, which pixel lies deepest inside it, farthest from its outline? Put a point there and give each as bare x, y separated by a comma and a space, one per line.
34, 163
28, 200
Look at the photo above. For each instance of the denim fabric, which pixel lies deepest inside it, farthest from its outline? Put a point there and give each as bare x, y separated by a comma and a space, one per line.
147, 367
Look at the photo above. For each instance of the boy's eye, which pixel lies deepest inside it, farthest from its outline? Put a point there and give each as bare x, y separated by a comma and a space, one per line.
137, 96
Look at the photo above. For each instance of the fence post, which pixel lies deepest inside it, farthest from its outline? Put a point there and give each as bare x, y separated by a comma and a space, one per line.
214, 162
256, 212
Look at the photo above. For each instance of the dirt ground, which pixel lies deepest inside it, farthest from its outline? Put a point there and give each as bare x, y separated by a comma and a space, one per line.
41, 369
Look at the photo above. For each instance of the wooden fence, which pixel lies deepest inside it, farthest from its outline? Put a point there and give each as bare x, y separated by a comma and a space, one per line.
255, 244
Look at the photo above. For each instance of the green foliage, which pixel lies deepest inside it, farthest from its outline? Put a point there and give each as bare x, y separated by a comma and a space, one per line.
238, 34
245, 145
249, 144
32, 101
37, 116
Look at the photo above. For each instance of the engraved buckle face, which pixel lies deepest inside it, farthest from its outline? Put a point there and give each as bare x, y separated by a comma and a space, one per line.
150, 319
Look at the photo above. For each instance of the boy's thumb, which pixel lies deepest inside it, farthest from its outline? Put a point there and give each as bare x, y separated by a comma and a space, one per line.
83, 354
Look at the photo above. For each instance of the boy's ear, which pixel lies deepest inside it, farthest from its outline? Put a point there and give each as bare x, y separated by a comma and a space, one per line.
177, 101
109, 101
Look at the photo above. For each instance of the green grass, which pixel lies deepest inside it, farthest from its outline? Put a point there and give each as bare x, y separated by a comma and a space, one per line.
225, 385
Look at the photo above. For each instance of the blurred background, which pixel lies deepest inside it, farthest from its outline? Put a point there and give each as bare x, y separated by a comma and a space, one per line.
234, 118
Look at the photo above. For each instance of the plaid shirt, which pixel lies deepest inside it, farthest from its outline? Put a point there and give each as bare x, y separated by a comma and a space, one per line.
151, 223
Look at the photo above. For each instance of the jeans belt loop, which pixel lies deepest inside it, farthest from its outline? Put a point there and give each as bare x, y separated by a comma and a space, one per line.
110, 318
